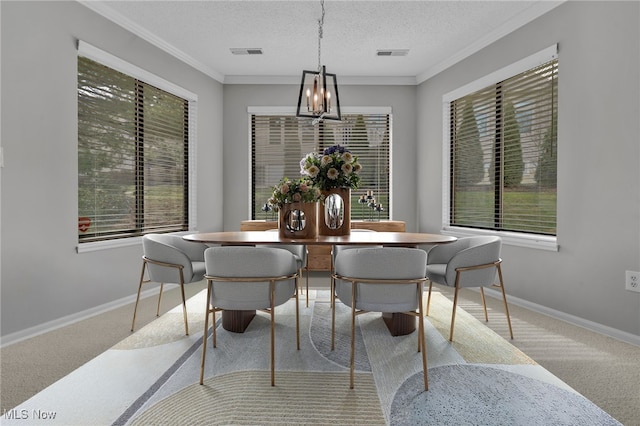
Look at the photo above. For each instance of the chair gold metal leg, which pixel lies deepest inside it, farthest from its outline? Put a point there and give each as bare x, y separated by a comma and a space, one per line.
422, 344
504, 298
455, 303
159, 299
429, 297
273, 354
135, 309
145, 262
332, 282
421, 339
306, 267
484, 304
332, 287
297, 317
420, 294
184, 305
307, 274
353, 334
206, 328
332, 304
213, 314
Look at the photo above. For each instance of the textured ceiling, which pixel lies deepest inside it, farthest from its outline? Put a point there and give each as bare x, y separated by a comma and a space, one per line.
436, 33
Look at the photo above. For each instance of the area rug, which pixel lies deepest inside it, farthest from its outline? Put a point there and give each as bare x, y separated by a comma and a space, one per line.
151, 378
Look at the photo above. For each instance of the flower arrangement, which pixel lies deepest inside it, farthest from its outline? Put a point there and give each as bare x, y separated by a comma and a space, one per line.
336, 167
293, 191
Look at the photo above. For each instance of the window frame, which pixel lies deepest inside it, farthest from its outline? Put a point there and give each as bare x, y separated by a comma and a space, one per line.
291, 111
98, 55
522, 239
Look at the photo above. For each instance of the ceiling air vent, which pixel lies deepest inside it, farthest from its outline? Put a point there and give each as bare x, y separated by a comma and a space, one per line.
246, 51
392, 52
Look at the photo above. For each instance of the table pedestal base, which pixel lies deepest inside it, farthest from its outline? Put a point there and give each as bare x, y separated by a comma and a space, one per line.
399, 324
237, 321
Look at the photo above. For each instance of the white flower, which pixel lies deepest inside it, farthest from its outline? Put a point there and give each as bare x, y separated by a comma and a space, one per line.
332, 173
313, 171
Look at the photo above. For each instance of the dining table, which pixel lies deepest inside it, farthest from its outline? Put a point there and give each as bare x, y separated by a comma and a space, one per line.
397, 323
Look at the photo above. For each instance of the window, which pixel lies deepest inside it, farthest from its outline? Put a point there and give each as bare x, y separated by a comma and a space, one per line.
280, 140
501, 137
133, 156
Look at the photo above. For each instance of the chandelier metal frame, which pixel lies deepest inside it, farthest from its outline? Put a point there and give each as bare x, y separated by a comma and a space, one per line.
317, 87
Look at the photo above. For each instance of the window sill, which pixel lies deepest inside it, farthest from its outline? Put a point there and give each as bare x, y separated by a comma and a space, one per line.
118, 243
534, 241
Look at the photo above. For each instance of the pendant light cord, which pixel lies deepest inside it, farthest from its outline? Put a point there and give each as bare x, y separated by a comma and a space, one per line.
320, 24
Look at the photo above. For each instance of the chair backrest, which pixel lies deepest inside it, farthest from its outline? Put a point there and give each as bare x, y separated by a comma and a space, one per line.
232, 269
338, 248
297, 249
174, 250
381, 263
466, 252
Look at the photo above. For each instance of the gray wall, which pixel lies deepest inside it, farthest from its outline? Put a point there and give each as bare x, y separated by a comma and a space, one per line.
43, 278
598, 154
237, 98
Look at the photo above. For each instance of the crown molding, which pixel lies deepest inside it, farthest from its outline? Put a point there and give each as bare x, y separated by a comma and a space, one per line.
342, 80
105, 11
533, 12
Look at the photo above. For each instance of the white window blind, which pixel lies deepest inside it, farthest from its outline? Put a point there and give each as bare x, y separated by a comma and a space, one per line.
503, 154
133, 156
280, 141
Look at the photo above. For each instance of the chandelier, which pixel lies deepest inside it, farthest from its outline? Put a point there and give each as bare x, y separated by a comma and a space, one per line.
318, 98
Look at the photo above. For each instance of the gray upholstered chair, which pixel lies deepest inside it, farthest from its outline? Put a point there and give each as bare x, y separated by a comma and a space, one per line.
338, 248
335, 249
249, 278
381, 279
467, 262
301, 253
170, 259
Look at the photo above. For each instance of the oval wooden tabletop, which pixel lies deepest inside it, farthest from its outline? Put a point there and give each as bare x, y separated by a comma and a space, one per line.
355, 238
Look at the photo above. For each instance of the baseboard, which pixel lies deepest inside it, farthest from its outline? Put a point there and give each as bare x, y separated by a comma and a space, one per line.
46, 327
71, 319
571, 319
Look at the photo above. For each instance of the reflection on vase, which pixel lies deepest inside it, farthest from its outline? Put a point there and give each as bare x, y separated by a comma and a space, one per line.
335, 210
295, 220
298, 220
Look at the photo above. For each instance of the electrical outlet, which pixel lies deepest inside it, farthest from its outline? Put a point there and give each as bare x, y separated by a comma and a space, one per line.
633, 281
